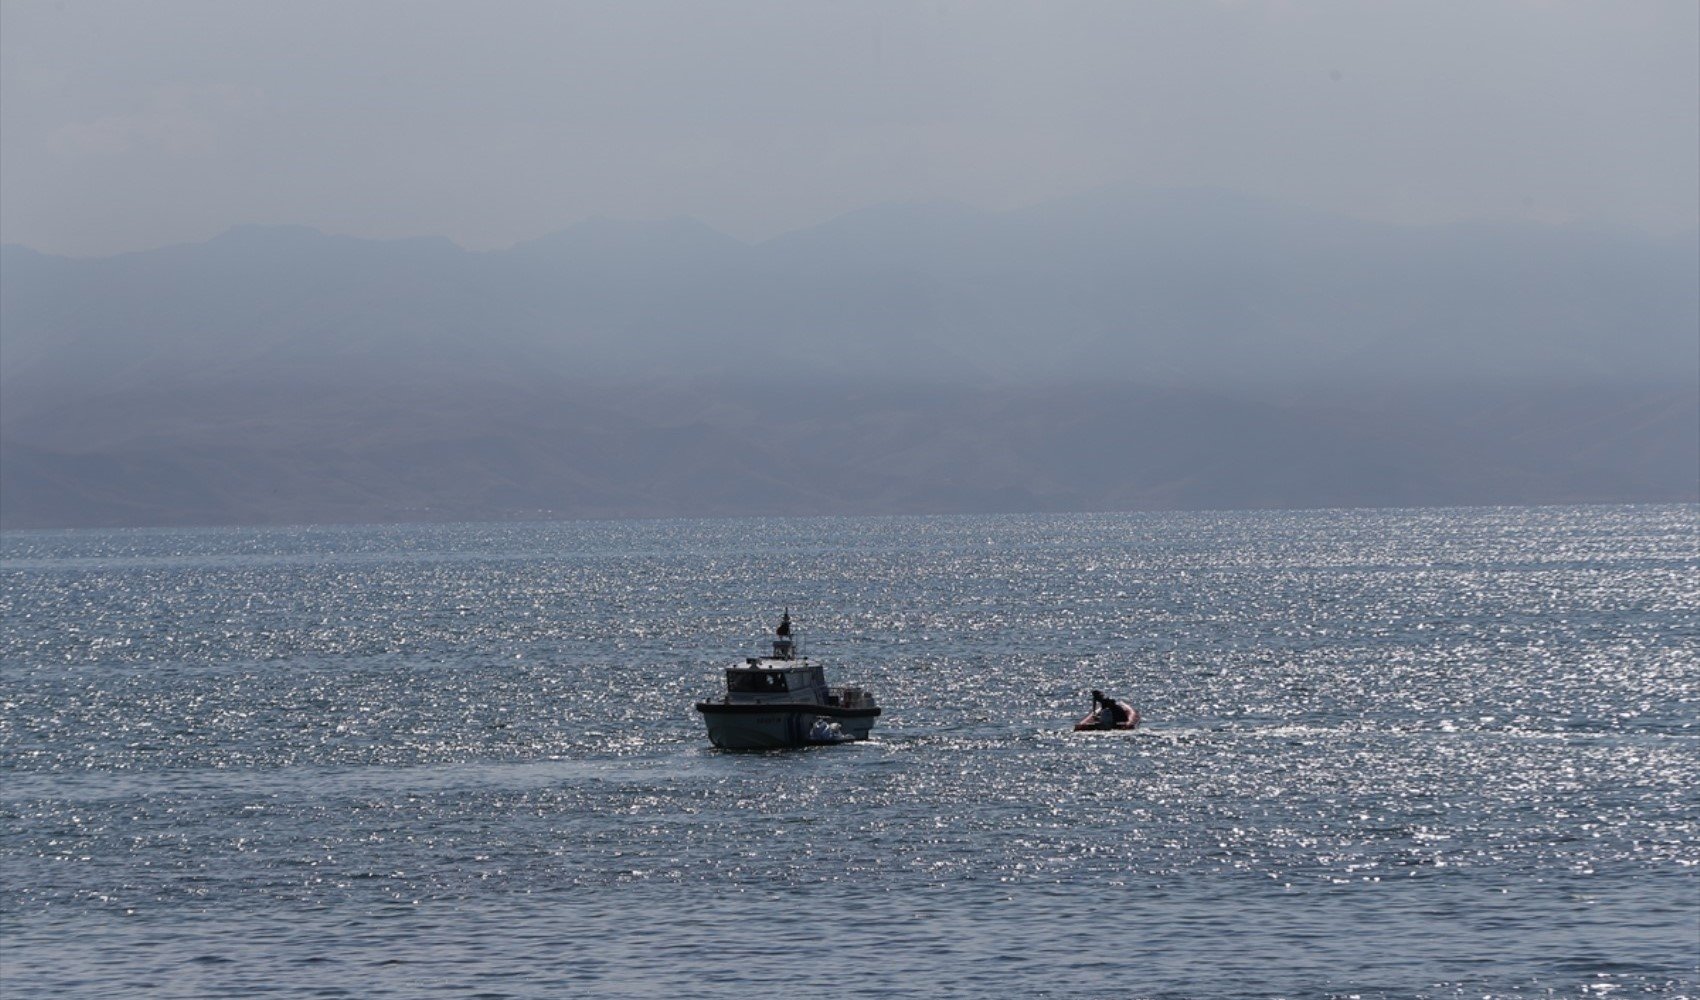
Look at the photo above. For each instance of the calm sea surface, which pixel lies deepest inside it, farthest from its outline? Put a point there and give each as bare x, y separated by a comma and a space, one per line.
1386, 754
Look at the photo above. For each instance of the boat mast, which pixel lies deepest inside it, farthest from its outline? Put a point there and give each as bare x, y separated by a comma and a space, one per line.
782, 647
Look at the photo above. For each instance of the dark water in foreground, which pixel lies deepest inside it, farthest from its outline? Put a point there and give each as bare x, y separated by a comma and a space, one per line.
1400, 754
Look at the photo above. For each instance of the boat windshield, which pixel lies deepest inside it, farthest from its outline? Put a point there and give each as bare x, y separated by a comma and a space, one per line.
755, 681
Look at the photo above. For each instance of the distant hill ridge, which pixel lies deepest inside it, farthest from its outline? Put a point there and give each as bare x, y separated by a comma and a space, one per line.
1214, 350
1177, 287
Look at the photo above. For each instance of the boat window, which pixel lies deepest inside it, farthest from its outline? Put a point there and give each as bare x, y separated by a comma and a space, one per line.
754, 682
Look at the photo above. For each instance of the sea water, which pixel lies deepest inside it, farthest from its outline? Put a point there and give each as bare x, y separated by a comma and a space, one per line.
1437, 753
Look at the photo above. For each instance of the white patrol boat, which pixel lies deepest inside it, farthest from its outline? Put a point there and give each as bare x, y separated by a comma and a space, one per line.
782, 700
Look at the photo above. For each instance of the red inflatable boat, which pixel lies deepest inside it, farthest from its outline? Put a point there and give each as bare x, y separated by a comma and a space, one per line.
1091, 720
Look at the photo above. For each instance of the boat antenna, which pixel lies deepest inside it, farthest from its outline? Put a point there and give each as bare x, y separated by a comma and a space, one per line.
785, 623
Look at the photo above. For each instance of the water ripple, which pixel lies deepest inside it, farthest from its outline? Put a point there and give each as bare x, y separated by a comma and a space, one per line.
1387, 753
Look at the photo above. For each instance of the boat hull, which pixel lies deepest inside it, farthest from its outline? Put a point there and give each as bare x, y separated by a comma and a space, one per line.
1091, 723
778, 726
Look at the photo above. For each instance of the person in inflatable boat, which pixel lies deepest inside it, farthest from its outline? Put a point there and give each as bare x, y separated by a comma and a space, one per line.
1109, 712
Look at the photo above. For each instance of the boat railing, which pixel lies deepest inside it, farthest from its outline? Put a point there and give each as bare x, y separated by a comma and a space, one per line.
850, 697
783, 648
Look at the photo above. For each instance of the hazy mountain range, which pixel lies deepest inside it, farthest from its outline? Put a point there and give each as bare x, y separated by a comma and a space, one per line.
1125, 351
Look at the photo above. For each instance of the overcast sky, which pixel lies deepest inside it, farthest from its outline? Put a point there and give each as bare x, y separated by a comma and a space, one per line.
140, 123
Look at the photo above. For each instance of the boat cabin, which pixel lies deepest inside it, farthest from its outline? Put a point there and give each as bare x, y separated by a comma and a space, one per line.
769, 679
784, 675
